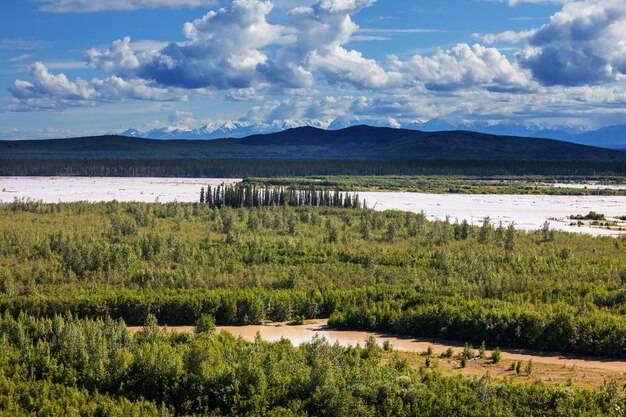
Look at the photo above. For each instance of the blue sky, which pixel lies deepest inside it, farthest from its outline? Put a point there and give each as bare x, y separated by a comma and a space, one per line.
73, 67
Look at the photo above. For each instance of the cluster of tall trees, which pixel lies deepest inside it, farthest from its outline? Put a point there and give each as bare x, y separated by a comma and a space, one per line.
68, 366
245, 195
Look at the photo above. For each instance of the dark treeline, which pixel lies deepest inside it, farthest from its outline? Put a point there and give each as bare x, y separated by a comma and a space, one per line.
233, 168
246, 195
63, 366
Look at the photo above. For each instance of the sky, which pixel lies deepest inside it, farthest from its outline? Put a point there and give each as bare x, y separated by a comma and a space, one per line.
79, 67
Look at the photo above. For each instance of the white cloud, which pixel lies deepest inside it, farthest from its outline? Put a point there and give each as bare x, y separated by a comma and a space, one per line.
464, 67
16, 44
307, 107
86, 6
47, 91
509, 36
45, 83
120, 57
226, 49
583, 44
547, 106
182, 120
20, 58
322, 30
223, 51
561, 68
368, 38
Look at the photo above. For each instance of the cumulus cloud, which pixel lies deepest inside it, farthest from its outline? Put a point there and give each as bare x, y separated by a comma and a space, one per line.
236, 50
223, 51
548, 106
47, 91
59, 87
583, 44
86, 6
308, 107
227, 49
182, 120
322, 30
463, 67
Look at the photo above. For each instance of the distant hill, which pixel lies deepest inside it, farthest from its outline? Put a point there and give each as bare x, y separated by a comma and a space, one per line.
309, 143
610, 137
607, 137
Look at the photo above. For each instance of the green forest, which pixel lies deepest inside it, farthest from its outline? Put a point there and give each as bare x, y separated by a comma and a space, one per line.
66, 366
73, 275
364, 269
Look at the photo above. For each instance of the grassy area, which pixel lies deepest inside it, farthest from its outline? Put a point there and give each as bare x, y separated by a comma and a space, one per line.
450, 184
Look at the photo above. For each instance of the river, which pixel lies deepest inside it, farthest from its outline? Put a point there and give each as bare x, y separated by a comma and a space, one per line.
528, 212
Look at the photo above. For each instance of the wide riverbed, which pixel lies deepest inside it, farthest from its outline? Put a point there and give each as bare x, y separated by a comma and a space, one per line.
529, 212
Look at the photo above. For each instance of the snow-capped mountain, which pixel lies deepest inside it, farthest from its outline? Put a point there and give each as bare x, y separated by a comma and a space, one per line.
614, 136
229, 129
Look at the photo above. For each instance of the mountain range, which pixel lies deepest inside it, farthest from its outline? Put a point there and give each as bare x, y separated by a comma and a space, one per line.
361, 143
607, 137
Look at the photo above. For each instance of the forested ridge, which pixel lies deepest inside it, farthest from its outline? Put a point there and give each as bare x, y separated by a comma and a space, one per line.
307, 143
358, 150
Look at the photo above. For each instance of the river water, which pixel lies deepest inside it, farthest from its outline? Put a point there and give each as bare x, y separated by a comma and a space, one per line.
528, 212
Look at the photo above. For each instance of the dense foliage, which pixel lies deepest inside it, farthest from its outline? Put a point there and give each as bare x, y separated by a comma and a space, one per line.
65, 366
377, 270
